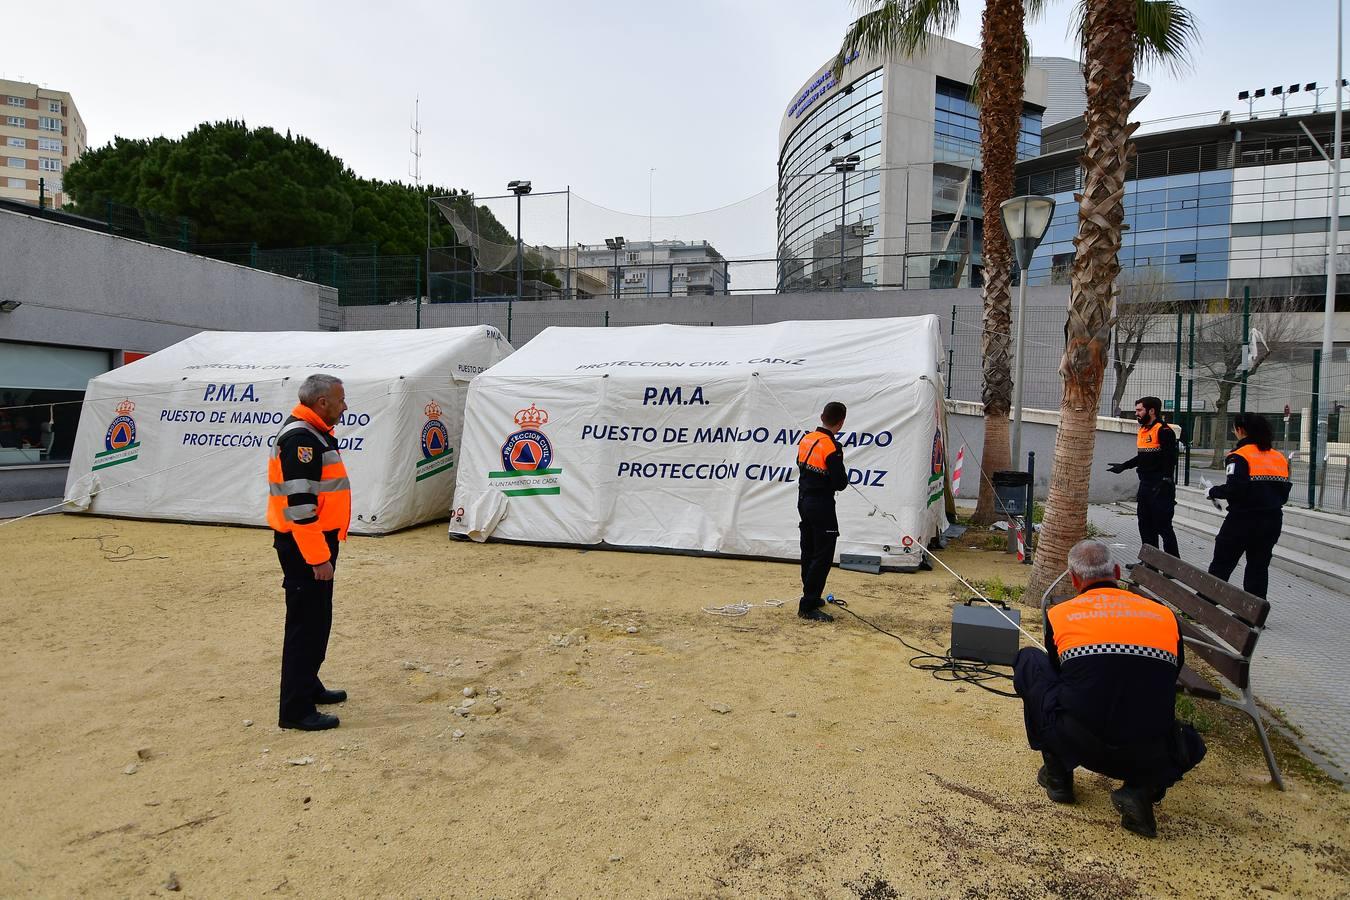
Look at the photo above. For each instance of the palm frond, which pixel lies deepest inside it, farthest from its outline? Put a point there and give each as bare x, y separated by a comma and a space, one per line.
896, 28
1035, 9
1167, 34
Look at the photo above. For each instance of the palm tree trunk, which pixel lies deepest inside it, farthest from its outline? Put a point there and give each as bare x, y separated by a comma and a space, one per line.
1108, 48
1002, 73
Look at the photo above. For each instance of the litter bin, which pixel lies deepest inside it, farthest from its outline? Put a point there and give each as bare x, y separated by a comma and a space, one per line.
1010, 492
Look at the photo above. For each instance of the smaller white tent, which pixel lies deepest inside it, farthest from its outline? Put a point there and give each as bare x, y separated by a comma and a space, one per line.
185, 433
684, 438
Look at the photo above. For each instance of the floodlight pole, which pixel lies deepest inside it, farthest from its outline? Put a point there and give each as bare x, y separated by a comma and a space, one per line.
520, 260
1323, 413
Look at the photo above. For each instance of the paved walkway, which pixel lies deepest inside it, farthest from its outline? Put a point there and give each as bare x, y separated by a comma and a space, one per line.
12, 509
1300, 666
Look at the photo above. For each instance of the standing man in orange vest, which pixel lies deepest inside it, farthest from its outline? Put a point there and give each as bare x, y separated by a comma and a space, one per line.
820, 475
1256, 490
1103, 697
1156, 462
309, 508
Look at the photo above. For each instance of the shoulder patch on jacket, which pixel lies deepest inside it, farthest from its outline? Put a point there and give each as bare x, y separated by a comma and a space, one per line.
304, 454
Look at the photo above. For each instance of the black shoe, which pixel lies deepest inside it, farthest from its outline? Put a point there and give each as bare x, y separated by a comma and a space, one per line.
814, 615
1136, 812
1056, 789
326, 696
315, 721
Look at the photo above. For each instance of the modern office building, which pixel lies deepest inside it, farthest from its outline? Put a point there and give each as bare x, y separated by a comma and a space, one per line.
909, 214
656, 268
1216, 206
43, 134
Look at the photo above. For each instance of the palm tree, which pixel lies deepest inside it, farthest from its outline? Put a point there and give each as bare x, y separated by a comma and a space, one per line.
902, 28
1115, 33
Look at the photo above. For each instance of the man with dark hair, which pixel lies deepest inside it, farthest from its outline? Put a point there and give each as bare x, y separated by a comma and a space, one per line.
820, 475
1257, 488
1156, 462
309, 508
1103, 697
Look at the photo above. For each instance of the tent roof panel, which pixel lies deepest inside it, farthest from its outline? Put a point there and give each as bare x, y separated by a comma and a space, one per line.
350, 355
904, 347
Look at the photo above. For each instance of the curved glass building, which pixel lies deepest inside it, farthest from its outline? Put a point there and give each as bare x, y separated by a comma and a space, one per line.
909, 213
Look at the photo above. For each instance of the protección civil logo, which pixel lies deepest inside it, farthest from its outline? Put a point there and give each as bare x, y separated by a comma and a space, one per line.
527, 458
119, 442
437, 454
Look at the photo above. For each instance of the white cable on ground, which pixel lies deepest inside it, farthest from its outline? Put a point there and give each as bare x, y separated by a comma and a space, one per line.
736, 610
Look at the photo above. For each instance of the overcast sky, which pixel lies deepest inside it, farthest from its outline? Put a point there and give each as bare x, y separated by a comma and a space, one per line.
590, 94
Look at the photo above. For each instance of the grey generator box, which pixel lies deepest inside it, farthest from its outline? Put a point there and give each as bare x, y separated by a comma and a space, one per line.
979, 632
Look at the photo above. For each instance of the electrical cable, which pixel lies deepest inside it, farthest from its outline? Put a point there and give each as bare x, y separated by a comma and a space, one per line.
947, 667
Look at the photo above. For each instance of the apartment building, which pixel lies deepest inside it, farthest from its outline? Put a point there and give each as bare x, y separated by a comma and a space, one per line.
42, 134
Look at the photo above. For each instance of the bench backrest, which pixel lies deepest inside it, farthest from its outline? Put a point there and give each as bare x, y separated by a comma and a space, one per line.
1222, 621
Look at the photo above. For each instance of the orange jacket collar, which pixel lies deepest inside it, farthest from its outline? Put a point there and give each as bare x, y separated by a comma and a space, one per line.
306, 414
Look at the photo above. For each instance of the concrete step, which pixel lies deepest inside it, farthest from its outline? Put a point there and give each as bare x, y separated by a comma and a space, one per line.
1293, 536
1302, 553
1315, 520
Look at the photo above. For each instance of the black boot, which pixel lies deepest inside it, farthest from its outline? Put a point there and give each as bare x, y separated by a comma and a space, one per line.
1135, 806
1057, 780
811, 610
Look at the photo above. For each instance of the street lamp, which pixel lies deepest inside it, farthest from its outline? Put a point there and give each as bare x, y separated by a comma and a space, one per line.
1025, 219
520, 189
615, 244
843, 165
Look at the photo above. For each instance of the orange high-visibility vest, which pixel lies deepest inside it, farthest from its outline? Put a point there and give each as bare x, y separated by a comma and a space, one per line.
1147, 440
1264, 465
1110, 620
332, 509
812, 451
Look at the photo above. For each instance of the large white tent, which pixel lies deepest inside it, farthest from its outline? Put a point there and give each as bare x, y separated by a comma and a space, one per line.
185, 433
684, 438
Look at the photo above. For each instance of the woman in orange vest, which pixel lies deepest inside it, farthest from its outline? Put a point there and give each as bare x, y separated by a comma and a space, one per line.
1256, 490
309, 507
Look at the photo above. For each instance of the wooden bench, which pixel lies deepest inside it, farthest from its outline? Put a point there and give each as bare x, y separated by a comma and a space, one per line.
1220, 623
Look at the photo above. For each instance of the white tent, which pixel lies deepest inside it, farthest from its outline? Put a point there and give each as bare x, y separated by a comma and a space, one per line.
684, 438
185, 433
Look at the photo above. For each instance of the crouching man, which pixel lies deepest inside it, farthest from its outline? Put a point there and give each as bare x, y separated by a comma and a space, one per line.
1103, 698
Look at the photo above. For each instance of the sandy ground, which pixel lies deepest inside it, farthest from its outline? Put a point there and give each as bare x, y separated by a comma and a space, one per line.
838, 770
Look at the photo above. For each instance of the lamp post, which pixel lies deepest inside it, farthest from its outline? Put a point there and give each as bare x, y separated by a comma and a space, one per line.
520, 189
1025, 219
843, 165
1319, 452
615, 244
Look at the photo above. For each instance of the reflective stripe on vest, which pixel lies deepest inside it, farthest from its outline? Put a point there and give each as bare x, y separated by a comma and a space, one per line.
1264, 465
1147, 439
814, 448
1113, 621
333, 507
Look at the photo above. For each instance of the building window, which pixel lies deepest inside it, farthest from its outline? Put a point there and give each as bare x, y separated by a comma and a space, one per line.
16, 101
20, 184
54, 106
16, 163
47, 123
47, 164
18, 142
51, 144
16, 121
634, 256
